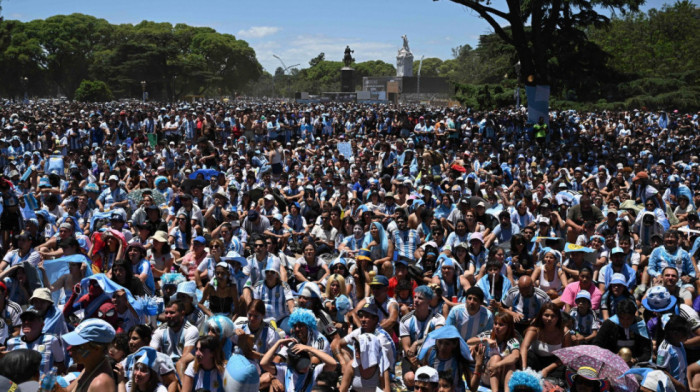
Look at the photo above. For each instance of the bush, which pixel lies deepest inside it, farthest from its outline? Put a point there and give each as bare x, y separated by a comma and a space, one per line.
93, 91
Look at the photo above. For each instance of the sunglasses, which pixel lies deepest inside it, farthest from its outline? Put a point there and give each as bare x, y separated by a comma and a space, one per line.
259, 245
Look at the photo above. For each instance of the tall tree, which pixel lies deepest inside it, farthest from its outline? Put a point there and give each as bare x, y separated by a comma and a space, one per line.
541, 30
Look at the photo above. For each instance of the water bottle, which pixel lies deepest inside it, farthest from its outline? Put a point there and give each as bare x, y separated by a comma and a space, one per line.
49, 380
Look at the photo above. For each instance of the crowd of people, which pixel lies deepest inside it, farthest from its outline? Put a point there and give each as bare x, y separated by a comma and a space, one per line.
249, 245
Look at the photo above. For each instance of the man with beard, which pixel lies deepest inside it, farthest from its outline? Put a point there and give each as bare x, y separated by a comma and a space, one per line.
176, 337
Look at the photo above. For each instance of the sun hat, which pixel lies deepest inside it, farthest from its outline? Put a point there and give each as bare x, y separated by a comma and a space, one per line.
41, 293
91, 330
160, 236
587, 373
658, 299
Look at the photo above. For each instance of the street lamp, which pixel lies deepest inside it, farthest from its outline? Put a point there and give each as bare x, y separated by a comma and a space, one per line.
143, 91
420, 65
25, 84
284, 67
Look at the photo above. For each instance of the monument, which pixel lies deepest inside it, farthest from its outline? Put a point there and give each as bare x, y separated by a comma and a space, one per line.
404, 60
347, 73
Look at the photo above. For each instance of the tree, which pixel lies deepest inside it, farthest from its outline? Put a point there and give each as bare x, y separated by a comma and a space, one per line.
555, 26
431, 67
93, 91
321, 57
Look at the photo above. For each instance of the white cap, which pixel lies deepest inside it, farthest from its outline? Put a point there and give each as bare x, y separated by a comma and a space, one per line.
113, 178
426, 373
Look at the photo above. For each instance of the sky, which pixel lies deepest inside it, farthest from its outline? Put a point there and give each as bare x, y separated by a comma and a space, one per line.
297, 31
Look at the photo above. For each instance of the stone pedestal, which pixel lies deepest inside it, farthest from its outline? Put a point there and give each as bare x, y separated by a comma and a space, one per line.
404, 63
347, 80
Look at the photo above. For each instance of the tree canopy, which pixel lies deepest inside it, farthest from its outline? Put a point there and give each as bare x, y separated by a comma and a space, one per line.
57, 53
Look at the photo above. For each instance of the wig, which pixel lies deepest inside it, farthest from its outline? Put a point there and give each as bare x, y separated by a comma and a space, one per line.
303, 316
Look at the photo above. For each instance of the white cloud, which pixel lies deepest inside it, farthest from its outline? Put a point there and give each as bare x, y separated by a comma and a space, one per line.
258, 31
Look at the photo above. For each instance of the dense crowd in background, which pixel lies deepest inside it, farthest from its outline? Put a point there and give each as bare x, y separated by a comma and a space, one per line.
250, 245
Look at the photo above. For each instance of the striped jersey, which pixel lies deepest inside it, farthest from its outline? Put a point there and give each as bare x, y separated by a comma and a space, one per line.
406, 242
468, 325
416, 329
529, 307
672, 359
275, 299
49, 346
211, 380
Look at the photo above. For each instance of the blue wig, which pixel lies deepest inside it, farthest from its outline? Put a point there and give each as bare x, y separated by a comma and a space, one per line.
528, 378
425, 292
303, 316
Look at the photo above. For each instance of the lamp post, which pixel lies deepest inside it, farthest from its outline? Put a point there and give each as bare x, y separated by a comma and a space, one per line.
284, 67
25, 84
420, 65
143, 91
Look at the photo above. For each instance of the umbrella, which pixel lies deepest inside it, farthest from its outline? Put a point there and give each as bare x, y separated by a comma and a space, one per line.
188, 184
610, 366
206, 173
137, 196
255, 194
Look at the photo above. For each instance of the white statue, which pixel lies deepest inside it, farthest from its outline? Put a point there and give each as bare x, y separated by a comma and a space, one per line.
404, 60
405, 43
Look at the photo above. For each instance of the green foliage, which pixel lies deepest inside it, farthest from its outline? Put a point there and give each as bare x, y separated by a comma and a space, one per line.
656, 43
93, 91
57, 53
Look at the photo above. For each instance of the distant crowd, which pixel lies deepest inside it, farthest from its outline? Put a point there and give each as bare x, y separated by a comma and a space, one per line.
267, 245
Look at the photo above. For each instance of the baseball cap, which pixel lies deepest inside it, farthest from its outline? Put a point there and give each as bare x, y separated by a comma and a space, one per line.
583, 294
30, 313
369, 309
117, 216
379, 280
113, 178
269, 198
200, 239
253, 215
618, 278
426, 374
91, 330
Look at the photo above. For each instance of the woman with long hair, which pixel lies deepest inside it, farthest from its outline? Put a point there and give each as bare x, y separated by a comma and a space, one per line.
221, 292
140, 266
207, 370
309, 267
160, 254
381, 248
502, 350
545, 335
550, 277
181, 235
521, 259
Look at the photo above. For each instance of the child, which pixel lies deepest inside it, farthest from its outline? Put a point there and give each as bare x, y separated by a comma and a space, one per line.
586, 323
671, 355
445, 383
404, 296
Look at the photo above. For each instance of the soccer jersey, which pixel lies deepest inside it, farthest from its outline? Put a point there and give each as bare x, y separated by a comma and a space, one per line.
275, 299
172, 343
406, 242
210, 380
265, 337
672, 359
49, 346
585, 324
415, 329
528, 306
468, 325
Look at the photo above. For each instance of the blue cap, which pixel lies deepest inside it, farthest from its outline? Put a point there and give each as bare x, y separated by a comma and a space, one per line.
343, 306
618, 278
200, 239
91, 330
379, 280
583, 294
617, 250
